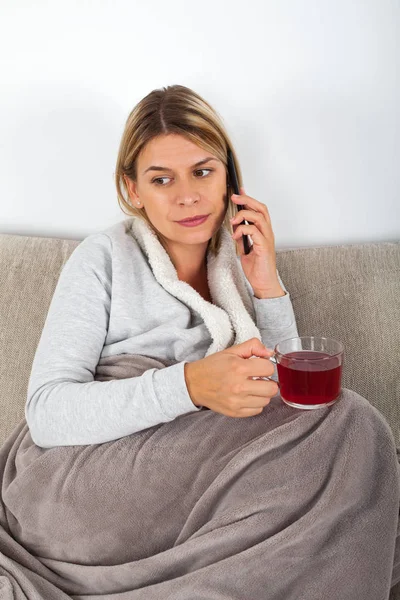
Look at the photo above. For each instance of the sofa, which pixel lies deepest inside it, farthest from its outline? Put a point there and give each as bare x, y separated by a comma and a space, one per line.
347, 292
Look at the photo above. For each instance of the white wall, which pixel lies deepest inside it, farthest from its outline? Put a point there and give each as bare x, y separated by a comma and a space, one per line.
308, 89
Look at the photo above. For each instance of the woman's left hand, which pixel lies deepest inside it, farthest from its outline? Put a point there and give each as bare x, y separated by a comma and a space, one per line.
259, 265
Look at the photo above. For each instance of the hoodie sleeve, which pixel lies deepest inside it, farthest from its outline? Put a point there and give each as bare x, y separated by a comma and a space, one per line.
275, 319
65, 406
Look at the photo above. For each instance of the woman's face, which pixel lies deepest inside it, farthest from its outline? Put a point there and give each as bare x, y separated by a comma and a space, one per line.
184, 184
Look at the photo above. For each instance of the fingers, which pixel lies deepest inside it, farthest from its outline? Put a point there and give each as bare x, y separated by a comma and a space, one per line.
260, 387
248, 412
256, 406
256, 221
254, 205
259, 367
257, 234
251, 216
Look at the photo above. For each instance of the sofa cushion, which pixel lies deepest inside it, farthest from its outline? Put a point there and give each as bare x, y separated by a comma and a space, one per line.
351, 293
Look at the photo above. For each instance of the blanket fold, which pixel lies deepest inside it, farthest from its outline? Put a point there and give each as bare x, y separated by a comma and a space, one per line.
287, 504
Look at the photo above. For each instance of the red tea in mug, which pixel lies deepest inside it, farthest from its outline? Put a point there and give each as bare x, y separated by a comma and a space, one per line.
309, 381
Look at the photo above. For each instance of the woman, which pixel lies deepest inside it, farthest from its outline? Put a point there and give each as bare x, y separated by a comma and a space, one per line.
119, 483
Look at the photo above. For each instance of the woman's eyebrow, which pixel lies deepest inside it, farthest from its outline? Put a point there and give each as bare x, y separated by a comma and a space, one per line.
157, 168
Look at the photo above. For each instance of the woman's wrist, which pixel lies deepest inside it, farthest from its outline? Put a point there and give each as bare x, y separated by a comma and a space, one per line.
187, 369
277, 292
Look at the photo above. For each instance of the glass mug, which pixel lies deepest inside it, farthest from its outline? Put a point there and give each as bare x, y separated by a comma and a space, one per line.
309, 371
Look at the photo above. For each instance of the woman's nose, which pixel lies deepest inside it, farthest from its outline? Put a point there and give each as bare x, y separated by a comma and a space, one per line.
186, 194
188, 199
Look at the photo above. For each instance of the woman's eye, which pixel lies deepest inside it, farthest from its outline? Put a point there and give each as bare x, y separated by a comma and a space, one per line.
199, 170
157, 179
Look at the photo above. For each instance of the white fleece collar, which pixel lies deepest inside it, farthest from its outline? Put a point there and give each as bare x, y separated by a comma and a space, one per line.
231, 318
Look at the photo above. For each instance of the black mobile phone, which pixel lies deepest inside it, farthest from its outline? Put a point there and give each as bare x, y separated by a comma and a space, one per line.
233, 180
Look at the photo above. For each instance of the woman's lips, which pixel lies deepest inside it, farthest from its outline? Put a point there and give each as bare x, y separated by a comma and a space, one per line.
194, 222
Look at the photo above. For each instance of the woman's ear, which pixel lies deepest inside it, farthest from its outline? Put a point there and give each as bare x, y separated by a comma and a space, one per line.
131, 187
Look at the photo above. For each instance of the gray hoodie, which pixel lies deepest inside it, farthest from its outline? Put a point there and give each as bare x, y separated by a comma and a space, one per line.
119, 293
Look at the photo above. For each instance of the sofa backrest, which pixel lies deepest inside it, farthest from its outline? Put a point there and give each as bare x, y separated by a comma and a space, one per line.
350, 293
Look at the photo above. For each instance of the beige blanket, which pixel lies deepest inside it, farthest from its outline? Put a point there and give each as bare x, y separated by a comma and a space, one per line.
286, 505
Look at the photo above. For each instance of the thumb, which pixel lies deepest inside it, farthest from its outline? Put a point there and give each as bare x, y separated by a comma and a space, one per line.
252, 347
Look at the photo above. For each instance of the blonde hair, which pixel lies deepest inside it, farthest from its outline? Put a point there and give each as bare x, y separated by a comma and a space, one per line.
179, 110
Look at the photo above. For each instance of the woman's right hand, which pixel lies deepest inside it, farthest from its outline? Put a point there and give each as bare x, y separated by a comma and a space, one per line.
223, 381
